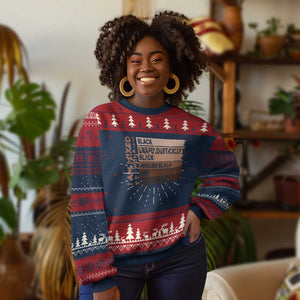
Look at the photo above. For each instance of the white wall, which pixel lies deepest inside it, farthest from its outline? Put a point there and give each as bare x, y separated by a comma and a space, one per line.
60, 37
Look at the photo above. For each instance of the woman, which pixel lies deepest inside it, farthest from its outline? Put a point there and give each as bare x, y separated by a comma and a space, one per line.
134, 221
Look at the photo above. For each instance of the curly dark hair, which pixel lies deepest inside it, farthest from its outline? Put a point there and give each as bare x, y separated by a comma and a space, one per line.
118, 38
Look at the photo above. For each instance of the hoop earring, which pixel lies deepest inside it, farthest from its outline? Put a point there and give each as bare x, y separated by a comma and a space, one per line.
122, 89
176, 86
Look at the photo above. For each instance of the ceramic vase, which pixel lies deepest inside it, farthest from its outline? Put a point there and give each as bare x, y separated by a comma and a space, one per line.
233, 24
16, 271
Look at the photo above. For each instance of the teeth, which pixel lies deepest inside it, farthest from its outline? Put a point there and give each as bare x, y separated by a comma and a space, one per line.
147, 79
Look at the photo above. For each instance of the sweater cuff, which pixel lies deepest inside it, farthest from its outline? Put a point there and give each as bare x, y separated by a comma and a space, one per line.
197, 210
103, 285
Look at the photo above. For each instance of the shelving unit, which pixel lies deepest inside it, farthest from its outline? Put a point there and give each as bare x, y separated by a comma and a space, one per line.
268, 211
262, 135
224, 68
246, 59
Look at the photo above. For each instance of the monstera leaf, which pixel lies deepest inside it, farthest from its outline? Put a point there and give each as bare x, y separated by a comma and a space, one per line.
37, 173
33, 110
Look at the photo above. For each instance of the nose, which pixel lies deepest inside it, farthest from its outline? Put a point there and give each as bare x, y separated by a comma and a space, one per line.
146, 66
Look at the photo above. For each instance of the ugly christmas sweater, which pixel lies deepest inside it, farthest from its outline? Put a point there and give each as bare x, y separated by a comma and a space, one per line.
133, 175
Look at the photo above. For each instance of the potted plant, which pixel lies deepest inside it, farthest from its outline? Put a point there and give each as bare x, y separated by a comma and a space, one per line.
33, 111
287, 185
293, 44
268, 40
28, 101
287, 103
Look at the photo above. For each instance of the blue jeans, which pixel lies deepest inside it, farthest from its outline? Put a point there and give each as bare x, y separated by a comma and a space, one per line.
181, 276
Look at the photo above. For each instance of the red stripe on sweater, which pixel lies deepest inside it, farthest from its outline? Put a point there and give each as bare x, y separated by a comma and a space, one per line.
210, 210
148, 216
87, 201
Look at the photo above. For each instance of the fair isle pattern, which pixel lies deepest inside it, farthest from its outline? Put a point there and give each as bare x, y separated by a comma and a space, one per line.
97, 276
132, 121
136, 237
133, 175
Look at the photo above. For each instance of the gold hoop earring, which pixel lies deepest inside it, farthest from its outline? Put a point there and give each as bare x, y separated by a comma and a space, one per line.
176, 86
122, 90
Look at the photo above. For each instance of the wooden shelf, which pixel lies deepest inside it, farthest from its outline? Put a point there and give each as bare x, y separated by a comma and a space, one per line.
246, 59
266, 210
262, 135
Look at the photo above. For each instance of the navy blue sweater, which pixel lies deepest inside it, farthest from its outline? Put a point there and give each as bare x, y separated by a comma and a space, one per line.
133, 175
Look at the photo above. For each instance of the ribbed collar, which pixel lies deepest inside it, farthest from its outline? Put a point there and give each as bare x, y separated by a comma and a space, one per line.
142, 110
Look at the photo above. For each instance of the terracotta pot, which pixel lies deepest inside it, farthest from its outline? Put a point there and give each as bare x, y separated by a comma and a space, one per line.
233, 25
291, 125
270, 45
16, 271
287, 190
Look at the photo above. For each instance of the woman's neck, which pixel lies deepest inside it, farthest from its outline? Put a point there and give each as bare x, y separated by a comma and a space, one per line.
147, 101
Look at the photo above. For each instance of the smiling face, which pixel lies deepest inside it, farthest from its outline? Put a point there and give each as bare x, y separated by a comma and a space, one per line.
148, 72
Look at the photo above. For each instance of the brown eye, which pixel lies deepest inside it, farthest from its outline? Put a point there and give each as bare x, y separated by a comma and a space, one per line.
135, 59
156, 59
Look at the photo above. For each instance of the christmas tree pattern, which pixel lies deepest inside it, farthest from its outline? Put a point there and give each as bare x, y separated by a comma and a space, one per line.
98, 119
164, 234
92, 119
129, 233
86, 245
114, 121
136, 238
167, 124
131, 122
185, 125
149, 123
204, 128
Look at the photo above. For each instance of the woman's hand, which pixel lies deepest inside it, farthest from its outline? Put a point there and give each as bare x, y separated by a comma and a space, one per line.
192, 225
110, 294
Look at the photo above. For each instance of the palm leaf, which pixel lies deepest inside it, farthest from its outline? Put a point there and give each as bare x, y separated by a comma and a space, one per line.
228, 239
4, 175
11, 50
192, 107
74, 128
61, 112
51, 243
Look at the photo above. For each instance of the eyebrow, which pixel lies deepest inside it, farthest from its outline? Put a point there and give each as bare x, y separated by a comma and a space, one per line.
151, 53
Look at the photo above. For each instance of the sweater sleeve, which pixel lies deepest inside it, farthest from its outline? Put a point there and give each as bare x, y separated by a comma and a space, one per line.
220, 175
89, 227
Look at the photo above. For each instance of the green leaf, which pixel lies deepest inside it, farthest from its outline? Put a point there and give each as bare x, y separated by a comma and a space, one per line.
63, 151
2, 125
228, 239
192, 107
252, 25
8, 213
38, 173
281, 105
2, 234
33, 110
15, 178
